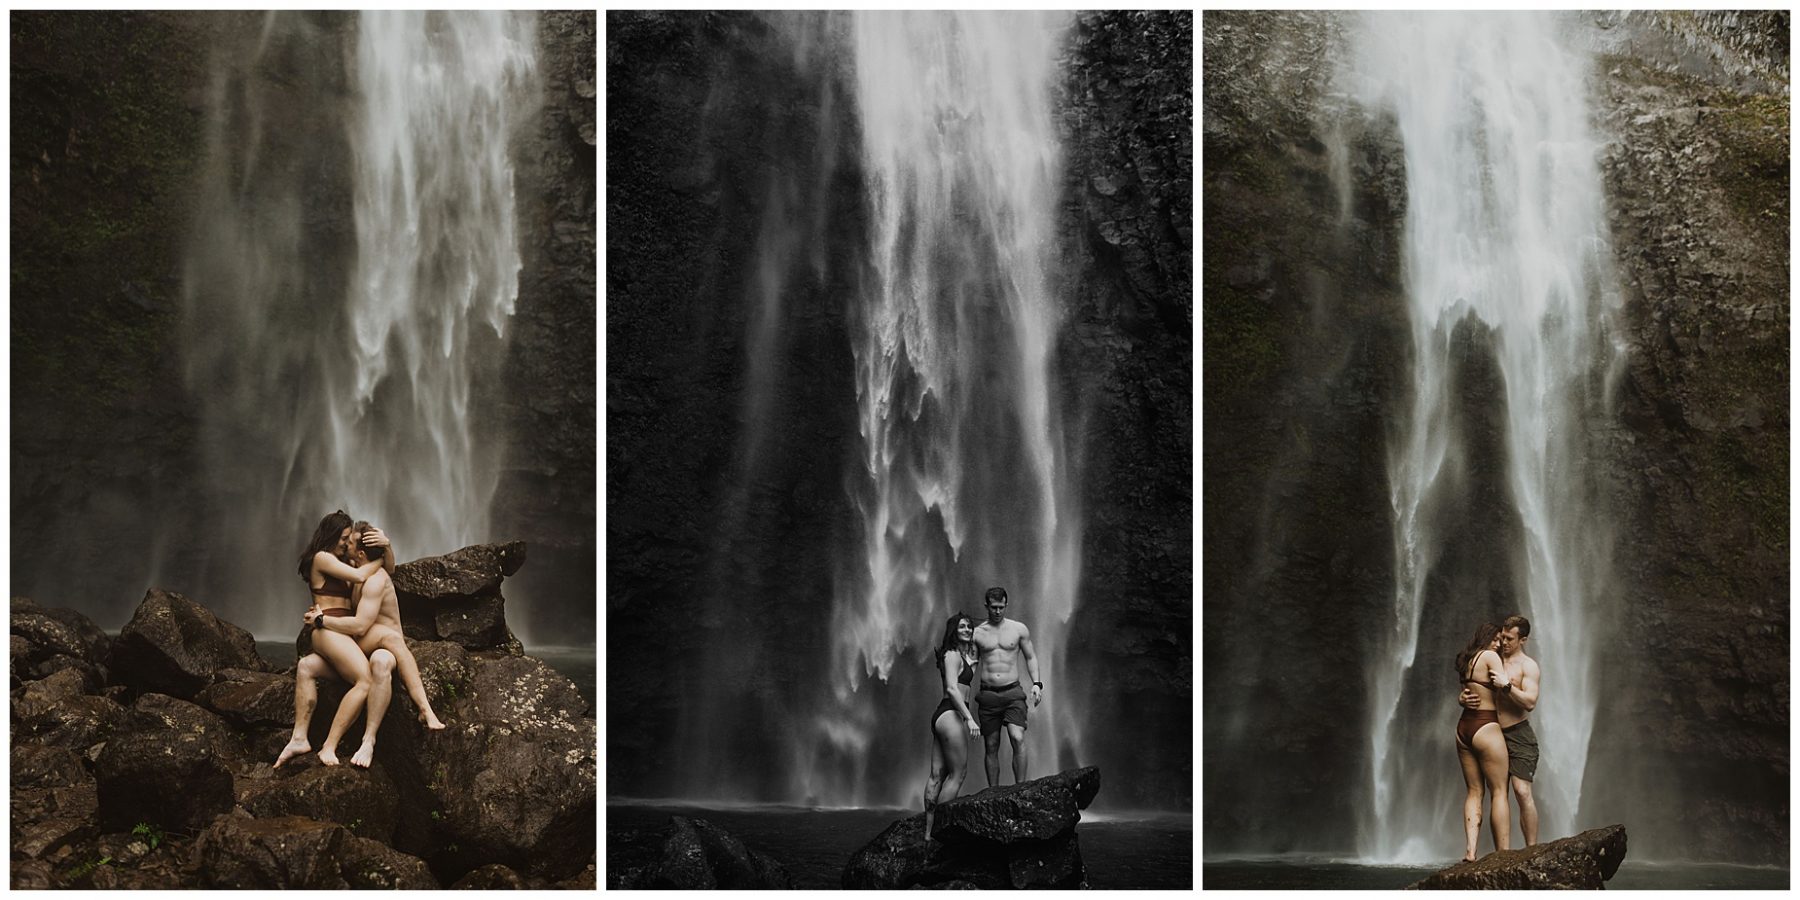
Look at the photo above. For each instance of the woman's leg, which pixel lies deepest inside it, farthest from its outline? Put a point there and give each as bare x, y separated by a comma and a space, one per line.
1471, 801
381, 691
390, 639
306, 695
347, 659
953, 736
1490, 750
935, 780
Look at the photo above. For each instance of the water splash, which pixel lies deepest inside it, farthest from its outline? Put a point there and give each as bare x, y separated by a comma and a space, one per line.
963, 480
320, 390
1505, 223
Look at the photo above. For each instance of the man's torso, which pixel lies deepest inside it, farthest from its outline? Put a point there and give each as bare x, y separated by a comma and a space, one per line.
998, 647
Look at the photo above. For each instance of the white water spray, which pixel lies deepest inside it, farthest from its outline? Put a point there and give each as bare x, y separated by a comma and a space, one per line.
964, 479
320, 390
1505, 222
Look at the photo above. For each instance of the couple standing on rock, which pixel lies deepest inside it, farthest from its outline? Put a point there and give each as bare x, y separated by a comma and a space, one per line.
1494, 740
352, 632
995, 646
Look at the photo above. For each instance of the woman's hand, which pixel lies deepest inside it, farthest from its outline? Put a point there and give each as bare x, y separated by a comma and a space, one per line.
974, 727
374, 537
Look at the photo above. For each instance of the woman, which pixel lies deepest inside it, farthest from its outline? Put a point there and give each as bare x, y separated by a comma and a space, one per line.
323, 652
952, 725
1480, 747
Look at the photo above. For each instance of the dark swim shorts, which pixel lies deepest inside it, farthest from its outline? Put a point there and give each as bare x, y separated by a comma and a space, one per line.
1000, 704
1521, 750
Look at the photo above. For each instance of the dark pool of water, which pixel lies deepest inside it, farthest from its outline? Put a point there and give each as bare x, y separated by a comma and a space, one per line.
1153, 852
1642, 876
575, 663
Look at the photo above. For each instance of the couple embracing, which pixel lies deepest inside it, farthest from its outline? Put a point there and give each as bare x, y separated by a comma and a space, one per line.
1494, 739
352, 633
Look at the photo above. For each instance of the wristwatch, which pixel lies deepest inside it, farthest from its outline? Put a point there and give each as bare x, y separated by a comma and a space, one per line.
1040, 685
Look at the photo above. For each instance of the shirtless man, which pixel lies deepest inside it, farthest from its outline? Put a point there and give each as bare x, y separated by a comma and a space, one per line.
999, 641
1514, 705
376, 627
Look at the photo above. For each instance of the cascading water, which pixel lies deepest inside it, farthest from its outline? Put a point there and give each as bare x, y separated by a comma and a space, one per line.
1504, 222
321, 391
964, 477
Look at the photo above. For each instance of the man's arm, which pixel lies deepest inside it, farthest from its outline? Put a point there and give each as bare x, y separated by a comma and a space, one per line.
368, 606
1031, 666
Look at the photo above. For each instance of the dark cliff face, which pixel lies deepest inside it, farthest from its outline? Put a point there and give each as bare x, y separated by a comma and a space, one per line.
728, 442
110, 116
1305, 364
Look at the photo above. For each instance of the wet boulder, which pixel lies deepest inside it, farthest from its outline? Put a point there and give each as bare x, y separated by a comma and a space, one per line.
50, 632
364, 801
250, 698
1014, 836
512, 778
456, 597
1583, 862
54, 712
163, 770
53, 800
191, 721
296, 852
689, 854
491, 877
175, 646
1035, 810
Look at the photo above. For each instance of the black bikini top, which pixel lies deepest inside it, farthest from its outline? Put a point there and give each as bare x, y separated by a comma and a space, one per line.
968, 673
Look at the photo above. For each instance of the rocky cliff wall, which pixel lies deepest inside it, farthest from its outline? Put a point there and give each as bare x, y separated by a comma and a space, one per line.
1305, 361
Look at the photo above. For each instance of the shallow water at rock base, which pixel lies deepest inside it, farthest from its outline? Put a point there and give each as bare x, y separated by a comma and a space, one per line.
1120, 853
1312, 875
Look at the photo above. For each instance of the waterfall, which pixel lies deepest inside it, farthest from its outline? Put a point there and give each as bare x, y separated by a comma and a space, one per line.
1504, 222
963, 479
343, 370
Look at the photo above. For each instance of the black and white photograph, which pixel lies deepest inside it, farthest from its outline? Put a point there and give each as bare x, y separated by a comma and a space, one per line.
899, 450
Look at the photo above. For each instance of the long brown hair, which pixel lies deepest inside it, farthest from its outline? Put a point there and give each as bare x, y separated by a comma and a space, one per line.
1484, 638
325, 537
950, 642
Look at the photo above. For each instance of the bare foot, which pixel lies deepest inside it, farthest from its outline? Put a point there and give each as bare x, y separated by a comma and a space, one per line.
431, 721
294, 748
328, 756
364, 755
1468, 859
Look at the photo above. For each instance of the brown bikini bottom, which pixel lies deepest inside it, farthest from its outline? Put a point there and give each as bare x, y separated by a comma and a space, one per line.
1471, 722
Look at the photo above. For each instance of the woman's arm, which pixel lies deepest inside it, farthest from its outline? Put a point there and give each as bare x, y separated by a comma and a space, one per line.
332, 567
367, 607
1496, 670
953, 663
375, 537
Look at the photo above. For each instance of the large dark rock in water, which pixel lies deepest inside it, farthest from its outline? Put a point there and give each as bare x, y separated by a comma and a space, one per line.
456, 597
1015, 836
175, 646
691, 854
1583, 862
